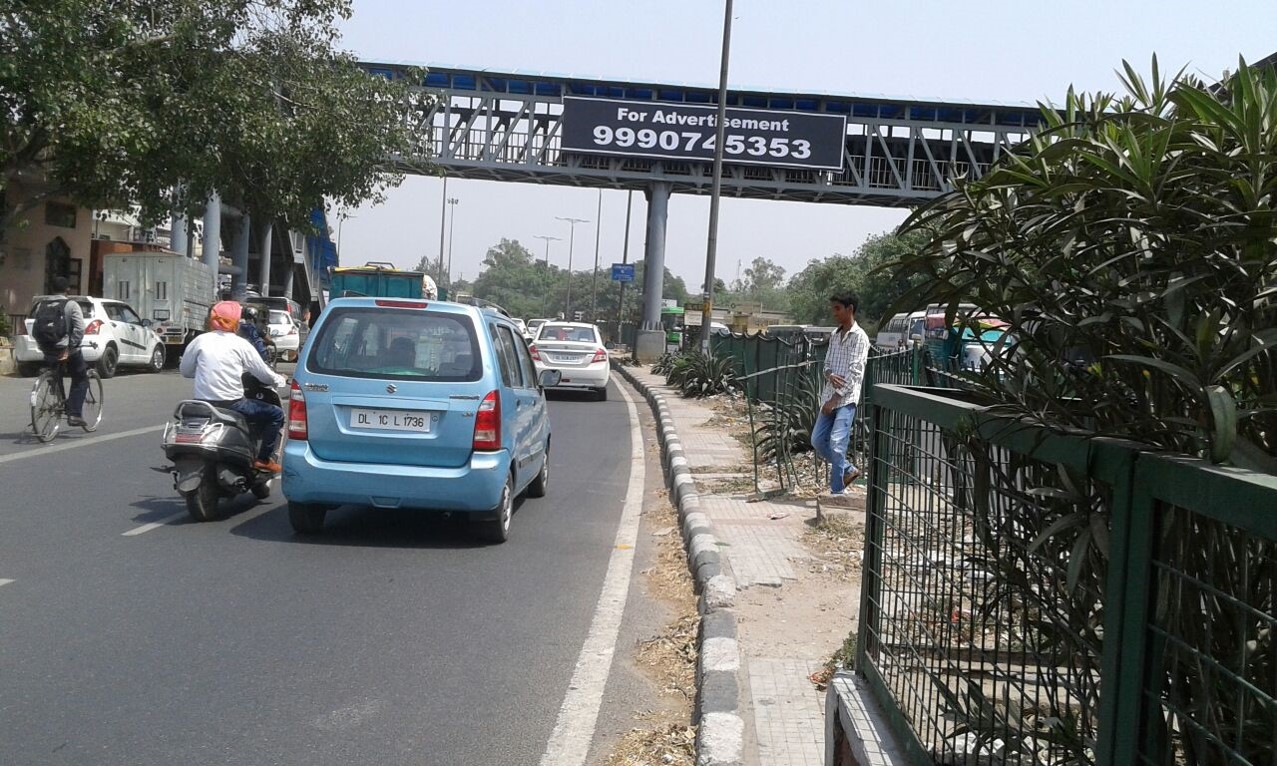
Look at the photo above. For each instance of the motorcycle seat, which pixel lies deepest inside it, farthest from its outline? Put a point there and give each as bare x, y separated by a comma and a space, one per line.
197, 409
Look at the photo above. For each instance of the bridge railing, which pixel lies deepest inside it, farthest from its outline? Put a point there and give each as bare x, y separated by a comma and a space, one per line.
1038, 598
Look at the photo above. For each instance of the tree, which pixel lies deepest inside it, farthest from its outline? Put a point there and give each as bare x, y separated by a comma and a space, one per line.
161, 103
869, 272
514, 279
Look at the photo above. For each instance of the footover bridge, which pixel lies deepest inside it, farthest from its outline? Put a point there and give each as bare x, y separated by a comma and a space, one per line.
658, 139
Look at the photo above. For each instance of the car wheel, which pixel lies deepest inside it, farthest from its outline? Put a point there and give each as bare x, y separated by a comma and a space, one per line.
306, 518
107, 362
28, 369
601, 394
157, 358
201, 502
541, 484
498, 530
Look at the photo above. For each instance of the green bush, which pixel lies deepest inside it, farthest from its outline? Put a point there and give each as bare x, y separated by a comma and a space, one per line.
697, 375
5, 328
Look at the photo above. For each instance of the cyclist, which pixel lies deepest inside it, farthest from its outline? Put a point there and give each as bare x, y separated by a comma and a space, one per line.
218, 360
58, 328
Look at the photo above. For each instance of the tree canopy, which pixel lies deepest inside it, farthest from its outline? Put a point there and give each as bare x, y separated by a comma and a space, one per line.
869, 272
159, 103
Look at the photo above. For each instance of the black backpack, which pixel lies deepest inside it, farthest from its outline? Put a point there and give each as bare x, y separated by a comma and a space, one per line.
49, 324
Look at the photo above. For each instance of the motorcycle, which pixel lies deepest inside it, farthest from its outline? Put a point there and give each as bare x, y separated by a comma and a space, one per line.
213, 449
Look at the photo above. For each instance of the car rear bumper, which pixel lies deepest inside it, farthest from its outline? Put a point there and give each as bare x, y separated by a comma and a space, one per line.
474, 488
593, 376
25, 349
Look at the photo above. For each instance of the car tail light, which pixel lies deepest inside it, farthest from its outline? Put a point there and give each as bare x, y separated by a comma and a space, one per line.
599, 356
296, 412
536, 353
92, 327
401, 304
487, 423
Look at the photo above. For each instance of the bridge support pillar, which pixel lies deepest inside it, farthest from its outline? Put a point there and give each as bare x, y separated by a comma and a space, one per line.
267, 232
649, 345
239, 280
213, 234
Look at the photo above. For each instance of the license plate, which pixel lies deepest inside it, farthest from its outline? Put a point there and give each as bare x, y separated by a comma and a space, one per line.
568, 358
391, 420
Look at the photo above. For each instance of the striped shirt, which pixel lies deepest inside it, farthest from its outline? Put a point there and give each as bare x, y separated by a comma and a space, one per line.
847, 354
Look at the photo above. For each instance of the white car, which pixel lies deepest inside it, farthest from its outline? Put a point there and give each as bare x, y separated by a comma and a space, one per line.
114, 335
523, 329
285, 333
575, 350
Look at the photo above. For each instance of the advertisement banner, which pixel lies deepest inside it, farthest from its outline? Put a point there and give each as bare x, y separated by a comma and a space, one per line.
686, 132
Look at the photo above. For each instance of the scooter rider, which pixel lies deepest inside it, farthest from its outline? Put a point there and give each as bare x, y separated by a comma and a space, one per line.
217, 360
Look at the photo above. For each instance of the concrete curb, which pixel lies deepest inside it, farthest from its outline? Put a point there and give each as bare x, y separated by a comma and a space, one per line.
720, 739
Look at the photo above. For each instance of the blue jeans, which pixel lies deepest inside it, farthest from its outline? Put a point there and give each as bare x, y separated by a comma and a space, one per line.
829, 438
79, 371
265, 419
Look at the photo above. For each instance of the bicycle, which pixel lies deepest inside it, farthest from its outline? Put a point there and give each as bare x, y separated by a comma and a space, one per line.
49, 401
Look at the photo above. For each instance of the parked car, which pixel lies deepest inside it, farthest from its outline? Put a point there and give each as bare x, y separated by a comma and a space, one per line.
114, 335
400, 403
576, 351
285, 333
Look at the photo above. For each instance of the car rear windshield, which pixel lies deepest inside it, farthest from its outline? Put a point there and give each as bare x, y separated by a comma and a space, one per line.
567, 333
404, 344
86, 308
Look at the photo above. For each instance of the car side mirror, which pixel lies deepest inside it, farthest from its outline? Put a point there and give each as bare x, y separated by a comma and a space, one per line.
146, 323
550, 378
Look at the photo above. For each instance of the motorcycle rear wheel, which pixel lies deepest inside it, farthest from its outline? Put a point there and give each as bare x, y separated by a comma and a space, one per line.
201, 502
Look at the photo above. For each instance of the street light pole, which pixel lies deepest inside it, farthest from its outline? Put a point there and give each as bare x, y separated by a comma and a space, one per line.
625, 258
452, 225
567, 315
548, 239
443, 216
594, 282
707, 310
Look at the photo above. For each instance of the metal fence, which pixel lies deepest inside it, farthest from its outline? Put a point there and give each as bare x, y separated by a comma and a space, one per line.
1032, 598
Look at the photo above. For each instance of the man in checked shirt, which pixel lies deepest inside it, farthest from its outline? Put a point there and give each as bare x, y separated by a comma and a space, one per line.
844, 372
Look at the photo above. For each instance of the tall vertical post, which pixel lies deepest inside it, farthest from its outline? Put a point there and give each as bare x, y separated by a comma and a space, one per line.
213, 235
177, 234
658, 198
264, 267
594, 282
443, 216
711, 250
239, 281
625, 258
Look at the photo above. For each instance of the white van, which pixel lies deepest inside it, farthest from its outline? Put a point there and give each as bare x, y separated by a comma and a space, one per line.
896, 332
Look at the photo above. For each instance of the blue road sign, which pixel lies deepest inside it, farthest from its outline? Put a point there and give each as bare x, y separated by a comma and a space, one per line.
622, 272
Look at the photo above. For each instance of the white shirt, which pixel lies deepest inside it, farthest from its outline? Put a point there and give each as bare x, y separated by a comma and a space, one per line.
217, 360
847, 355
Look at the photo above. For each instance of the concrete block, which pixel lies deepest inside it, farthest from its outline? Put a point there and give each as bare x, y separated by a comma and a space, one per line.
840, 507
649, 346
721, 740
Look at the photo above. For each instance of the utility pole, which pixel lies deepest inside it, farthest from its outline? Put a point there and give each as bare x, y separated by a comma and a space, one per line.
567, 314
625, 258
452, 225
594, 283
443, 217
707, 310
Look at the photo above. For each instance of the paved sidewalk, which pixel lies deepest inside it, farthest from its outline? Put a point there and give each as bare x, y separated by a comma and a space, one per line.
761, 546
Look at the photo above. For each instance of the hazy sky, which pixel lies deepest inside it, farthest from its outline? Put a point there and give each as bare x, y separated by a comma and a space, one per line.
992, 51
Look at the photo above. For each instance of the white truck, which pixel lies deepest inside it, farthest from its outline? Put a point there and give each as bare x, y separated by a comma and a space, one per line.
172, 291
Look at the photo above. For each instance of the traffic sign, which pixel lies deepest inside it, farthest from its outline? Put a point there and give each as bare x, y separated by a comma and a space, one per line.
622, 272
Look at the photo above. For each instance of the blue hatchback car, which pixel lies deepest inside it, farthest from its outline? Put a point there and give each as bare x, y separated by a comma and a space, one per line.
400, 403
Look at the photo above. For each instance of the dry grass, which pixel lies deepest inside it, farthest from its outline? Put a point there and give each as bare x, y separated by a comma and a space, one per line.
837, 546
666, 737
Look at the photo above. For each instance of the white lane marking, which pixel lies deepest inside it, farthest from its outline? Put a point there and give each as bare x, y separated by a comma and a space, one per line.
4, 582
574, 731
153, 525
42, 451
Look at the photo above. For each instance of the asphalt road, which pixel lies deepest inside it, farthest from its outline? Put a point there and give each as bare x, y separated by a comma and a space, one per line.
390, 639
